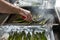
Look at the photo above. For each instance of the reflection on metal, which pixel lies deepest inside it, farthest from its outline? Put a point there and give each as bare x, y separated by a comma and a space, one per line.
3, 17
44, 4
57, 13
5, 20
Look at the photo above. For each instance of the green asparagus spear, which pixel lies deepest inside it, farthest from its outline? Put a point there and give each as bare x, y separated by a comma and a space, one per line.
19, 20
15, 36
24, 35
43, 37
10, 37
20, 35
36, 36
39, 35
29, 36
32, 36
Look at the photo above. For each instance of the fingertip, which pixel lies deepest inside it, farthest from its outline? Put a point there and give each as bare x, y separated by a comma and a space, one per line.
23, 17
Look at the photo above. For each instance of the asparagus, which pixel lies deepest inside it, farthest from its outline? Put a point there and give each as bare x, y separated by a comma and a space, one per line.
43, 37
20, 36
38, 36
15, 36
32, 36
10, 37
24, 35
19, 20
28, 36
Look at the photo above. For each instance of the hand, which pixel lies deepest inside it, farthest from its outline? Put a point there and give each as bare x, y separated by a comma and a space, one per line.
26, 15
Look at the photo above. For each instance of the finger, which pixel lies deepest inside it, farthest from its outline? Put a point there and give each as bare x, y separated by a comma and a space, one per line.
29, 16
23, 15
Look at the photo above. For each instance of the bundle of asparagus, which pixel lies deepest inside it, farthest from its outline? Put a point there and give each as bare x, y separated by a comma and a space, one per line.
42, 21
23, 36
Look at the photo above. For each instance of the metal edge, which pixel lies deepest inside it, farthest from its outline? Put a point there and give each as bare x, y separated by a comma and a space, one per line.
5, 20
52, 35
57, 13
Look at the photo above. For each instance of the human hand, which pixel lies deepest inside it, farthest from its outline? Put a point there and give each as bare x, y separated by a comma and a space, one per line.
26, 15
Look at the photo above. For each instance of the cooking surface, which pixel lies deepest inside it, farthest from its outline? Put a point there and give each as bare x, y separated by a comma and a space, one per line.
14, 17
56, 30
3, 17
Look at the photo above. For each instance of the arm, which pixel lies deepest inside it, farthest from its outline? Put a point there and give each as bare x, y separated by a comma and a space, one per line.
6, 7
